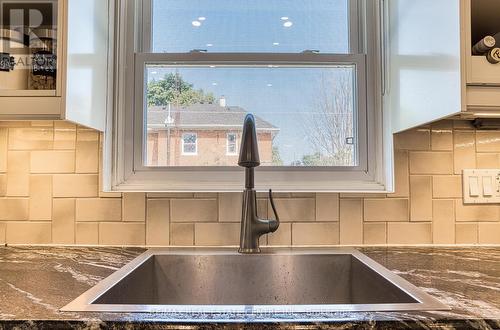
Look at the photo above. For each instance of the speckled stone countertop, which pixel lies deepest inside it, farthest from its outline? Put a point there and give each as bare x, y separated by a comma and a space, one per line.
35, 282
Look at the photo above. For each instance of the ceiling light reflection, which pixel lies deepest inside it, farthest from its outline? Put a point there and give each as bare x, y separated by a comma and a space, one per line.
287, 24
196, 23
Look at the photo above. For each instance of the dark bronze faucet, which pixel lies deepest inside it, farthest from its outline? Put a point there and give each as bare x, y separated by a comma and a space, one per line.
252, 227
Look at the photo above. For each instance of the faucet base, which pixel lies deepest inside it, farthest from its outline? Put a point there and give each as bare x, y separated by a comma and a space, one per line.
248, 251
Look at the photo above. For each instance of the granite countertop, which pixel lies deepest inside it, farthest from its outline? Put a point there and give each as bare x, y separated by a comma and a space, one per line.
36, 281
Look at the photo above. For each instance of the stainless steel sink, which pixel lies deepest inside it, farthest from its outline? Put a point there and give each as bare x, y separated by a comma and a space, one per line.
279, 280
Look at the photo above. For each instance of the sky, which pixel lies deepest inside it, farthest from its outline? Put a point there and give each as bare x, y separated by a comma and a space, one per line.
282, 96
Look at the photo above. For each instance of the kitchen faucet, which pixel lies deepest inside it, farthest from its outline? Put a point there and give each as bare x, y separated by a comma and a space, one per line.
252, 227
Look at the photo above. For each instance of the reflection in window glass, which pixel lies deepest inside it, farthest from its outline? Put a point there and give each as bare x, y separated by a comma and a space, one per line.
231, 144
305, 115
189, 144
250, 26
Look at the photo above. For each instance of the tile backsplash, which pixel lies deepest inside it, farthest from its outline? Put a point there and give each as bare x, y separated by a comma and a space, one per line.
50, 194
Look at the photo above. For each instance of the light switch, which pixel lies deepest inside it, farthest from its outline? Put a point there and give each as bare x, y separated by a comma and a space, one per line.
481, 186
473, 186
487, 186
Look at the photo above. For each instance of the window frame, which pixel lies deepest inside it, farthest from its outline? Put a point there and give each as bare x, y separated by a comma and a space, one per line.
125, 151
235, 153
183, 144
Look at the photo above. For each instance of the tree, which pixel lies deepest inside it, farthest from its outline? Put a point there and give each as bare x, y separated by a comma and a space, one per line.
277, 161
330, 127
173, 89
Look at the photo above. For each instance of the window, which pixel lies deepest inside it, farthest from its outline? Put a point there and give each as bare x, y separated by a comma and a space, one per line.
307, 70
189, 144
231, 148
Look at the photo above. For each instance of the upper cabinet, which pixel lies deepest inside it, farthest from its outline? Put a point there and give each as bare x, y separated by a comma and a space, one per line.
55, 56
430, 71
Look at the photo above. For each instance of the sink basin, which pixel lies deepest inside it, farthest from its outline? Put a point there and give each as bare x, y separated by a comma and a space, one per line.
281, 280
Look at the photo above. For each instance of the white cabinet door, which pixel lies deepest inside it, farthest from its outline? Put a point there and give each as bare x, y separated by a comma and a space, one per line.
424, 59
88, 36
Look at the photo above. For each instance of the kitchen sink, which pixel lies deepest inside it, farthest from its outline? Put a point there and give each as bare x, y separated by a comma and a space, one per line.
277, 280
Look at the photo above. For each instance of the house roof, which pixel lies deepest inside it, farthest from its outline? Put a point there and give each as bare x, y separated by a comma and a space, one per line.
203, 116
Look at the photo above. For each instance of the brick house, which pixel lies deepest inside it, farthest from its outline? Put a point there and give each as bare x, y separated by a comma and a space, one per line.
202, 135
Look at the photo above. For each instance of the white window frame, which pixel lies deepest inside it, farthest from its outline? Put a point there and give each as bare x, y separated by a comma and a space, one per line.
228, 153
183, 144
126, 134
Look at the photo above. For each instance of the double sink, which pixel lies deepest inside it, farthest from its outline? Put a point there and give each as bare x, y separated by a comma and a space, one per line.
278, 280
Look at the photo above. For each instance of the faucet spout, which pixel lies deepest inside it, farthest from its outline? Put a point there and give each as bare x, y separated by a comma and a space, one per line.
252, 227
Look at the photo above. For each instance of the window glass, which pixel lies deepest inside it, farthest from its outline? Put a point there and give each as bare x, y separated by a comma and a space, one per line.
306, 116
291, 26
231, 144
189, 143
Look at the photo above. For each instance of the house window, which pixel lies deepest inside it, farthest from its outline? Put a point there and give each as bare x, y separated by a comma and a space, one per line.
231, 146
189, 144
307, 70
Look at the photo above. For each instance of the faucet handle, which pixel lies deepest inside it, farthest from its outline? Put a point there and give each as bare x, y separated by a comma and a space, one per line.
274, 207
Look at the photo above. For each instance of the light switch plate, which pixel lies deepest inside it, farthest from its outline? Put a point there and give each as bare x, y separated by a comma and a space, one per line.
481, 186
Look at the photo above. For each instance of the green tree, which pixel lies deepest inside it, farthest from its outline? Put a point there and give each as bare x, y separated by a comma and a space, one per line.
175, 90
277, 161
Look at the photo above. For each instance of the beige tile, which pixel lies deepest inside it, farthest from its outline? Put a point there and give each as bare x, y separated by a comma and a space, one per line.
327, 207
463, 124
3, 229
326, 233
471, 212
3, 150
488, 141
75, 185
42, 123
487, 160
389, 209
14, 209
193, 210
262, 210
361, 195
216, 234
447, 186
182, 234
442, 136
31, 138
169, 195
157, 222
87, 233
120, 233
205, 195
3, 185
375, 233
134, 206
64, 135
28, 233
489, 233
230, 207
466, 233
87, 157
443, 222
420, 198
295, 209
53, 161
18, 170
464, 151
409, 233
15, 123
281, 237
40, 197
431, 163
401, 174
98, 209
63, 222
414, 139
86, 134
351, 221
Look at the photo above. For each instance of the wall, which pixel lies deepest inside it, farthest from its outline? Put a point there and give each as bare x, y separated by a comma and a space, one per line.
49, 185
